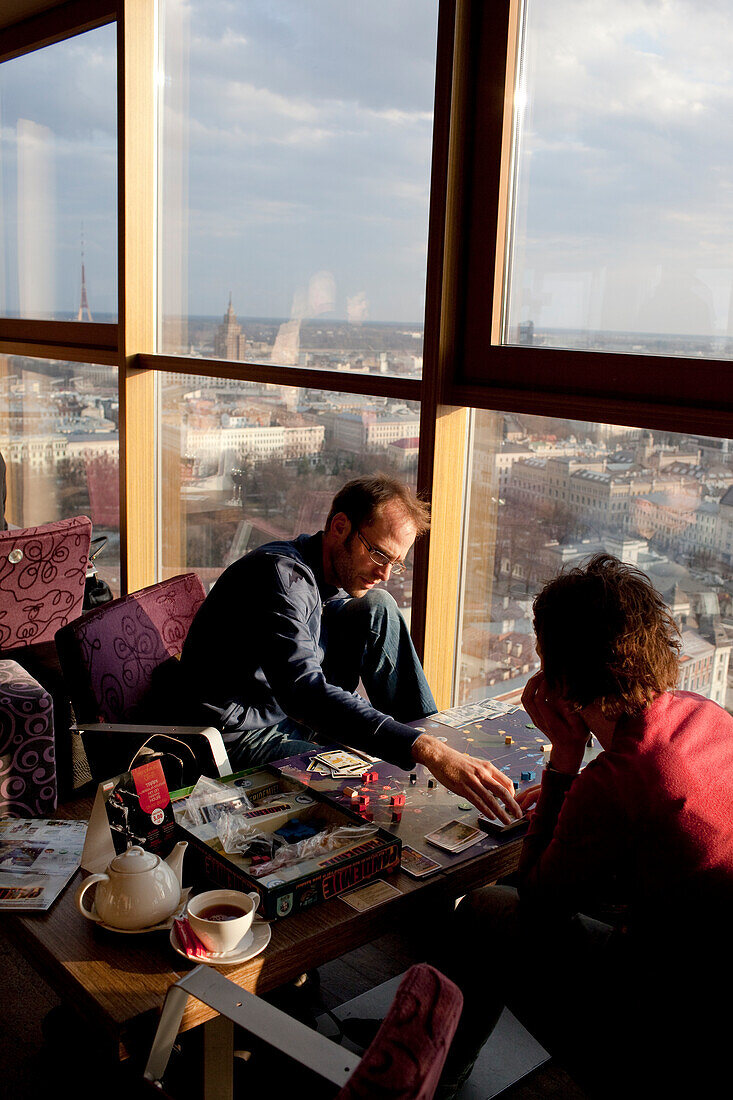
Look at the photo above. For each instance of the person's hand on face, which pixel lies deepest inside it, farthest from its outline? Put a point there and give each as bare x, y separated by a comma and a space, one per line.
564, 727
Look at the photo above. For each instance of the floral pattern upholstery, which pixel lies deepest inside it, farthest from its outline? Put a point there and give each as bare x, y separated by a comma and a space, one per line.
27, 751
42, 575
111, 655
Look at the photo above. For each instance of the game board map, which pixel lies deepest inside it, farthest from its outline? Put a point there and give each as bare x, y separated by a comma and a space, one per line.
412, 804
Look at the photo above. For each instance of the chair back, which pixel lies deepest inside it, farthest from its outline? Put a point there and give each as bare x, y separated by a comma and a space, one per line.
110, 656
42, 575
405, 1059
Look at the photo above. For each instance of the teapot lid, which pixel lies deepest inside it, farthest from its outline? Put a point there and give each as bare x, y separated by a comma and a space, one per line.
134, 860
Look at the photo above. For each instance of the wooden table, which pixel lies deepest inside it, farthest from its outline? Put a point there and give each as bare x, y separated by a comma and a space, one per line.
118, 982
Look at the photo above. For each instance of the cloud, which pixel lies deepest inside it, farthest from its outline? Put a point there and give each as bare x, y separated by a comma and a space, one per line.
626, 158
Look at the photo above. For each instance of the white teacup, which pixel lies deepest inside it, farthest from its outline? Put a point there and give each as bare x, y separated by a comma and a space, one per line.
222, 918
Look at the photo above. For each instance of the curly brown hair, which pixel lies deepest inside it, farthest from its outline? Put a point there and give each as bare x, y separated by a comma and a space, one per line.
605, 635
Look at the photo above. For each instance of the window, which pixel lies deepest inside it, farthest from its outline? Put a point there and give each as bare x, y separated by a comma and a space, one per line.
293, 173
59, 437
58, 183
672, 488
244, 464
621, 222
295, 170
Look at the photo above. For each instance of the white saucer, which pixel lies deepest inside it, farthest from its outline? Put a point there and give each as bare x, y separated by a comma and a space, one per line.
162, 926
138, 931
253, 943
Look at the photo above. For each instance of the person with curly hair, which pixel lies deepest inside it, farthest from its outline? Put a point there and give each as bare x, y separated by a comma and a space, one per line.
611, 946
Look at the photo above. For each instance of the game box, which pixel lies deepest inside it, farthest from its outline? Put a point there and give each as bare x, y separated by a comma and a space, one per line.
283, 804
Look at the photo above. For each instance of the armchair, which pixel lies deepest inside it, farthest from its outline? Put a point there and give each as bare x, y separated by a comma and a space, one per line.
120, 663
404, 1061
42, 575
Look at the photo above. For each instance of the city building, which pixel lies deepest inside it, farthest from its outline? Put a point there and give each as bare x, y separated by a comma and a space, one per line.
230, 342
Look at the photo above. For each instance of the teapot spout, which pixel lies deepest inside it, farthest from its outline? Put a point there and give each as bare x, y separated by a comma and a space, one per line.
175, 860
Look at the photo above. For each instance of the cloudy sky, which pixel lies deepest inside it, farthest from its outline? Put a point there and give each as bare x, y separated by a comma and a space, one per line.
625, 182
295, 169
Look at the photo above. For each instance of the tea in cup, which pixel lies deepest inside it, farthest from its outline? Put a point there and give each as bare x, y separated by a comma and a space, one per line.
222, 918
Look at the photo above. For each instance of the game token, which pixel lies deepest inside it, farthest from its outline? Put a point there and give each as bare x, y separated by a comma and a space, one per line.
413, 777
465, 806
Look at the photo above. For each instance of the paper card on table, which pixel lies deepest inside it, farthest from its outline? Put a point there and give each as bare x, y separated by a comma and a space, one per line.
417, 864
454, 836
374, 893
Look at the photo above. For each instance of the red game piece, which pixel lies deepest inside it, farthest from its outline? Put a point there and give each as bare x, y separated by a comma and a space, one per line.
370, 777
397, 800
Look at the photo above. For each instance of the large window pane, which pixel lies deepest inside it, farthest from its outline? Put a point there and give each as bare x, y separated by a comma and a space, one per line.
622, 227
58, 181
294, 178
246, 464
546, 493
59, 438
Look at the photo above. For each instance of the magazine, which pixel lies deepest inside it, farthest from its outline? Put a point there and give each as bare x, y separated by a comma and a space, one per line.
38, 856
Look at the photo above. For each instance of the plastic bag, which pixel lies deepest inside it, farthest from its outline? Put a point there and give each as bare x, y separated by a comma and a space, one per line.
336, 836
208, 800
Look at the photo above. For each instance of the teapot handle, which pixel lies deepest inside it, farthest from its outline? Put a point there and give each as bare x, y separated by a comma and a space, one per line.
80, 894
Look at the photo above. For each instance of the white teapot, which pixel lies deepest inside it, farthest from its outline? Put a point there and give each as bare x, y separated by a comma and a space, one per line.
138, 889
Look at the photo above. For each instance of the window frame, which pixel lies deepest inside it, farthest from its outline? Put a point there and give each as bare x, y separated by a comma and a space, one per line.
476, 56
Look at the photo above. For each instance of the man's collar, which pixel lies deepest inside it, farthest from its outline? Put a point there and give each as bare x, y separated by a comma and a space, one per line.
312, 551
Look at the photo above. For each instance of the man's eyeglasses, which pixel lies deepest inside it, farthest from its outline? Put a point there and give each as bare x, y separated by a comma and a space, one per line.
380, 558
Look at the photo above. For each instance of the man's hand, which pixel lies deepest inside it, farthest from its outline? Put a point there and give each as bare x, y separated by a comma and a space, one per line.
476, 780
563, 727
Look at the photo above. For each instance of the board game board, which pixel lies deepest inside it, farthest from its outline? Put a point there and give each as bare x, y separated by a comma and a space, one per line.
411, 807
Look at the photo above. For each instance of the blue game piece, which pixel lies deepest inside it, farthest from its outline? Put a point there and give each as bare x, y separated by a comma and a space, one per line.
527, 775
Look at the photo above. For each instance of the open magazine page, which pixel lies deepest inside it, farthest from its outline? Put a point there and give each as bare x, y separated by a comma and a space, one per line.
37, 859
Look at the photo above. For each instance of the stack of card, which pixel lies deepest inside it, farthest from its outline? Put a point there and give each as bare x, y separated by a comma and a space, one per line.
341, 763
474, 712
454, 836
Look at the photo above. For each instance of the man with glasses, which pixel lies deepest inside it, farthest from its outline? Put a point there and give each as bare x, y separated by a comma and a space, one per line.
277, 649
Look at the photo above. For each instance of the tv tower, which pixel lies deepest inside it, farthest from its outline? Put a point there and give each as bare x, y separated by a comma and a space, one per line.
84, 301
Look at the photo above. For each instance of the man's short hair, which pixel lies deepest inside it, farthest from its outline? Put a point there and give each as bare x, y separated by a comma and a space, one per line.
361, 498
605, 635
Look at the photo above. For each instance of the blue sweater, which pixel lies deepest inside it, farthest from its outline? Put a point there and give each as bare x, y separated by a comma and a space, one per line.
256, 641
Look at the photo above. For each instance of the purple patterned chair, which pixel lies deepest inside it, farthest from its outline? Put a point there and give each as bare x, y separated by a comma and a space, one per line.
27, 750
42, 575
404, 1061
121, 670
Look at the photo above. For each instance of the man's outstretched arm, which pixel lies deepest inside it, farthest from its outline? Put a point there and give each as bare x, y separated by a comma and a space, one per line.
478, 781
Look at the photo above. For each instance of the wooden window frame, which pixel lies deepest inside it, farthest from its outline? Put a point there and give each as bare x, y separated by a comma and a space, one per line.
462, 369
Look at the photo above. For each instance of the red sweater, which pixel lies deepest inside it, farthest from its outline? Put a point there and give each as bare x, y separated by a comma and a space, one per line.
647, 826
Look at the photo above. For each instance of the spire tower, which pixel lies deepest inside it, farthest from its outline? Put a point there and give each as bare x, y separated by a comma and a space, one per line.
83, 301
